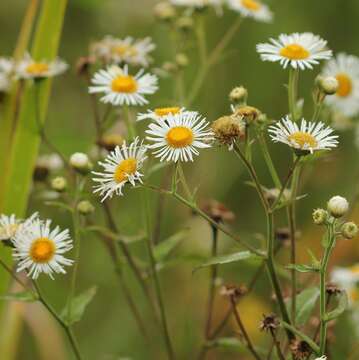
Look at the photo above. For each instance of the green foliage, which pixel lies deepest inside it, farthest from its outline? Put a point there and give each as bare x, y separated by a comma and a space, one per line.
78, 306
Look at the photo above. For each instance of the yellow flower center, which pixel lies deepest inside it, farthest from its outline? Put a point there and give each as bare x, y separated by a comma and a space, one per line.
301, 138
125, 167
345, 85
124, 84
294, 52
251, 5
179, 136
123, 50
37, 68
42, 250
167, 110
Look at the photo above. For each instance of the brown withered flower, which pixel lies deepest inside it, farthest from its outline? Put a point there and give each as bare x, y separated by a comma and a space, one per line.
83, 64
248, 113
233, 291
300, 349
332, 289
228, 129
217, 211
269, 323
110, 141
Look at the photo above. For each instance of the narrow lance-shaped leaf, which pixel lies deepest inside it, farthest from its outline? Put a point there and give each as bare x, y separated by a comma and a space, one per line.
163, 249
227, 259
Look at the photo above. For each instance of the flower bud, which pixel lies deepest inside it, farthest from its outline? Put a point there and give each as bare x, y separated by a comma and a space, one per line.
182, 60
349, 230
320, 216
227, 129
185, 23
338, 206
80, 162
164, 11
327, 84
84, 207
238, 95
169, 67
59, 184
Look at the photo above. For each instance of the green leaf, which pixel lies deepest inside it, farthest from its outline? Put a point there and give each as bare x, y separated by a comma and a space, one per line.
78, 306
303, 336
26, 296
227, 259
163, 249
342, 306
306, 301
60, 205
228, 343
303, 268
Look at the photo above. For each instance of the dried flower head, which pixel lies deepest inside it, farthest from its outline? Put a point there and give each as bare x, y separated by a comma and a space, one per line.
269, 323
110, 141
300, 349
332, 289
248, 113
83, 64
233, 291
217, 211
228, 129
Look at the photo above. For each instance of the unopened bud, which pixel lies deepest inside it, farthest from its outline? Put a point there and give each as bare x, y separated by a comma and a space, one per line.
327, 84
182, 60
338, 206
80, 162
84, 207
349, 230
320, 216
59, 184
164, 11
238, 95
185, 23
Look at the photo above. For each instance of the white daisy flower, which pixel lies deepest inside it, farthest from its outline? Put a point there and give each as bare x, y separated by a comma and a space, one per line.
38, 249
296, 50
120, 167
6, 68
28, 68
251, 8
10, 225
160, 113
345, 68
129, 50
178, 136
310, 136
121, 88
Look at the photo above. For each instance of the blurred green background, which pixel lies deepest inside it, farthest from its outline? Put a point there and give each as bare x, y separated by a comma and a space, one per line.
108, 330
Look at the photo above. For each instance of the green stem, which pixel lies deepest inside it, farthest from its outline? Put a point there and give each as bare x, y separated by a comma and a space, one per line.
157, 285
184, 181
273, 274
77, 239
129, 124
201, 39
323, 271
212, 283
254, 176
269, 161
62, 323
292, 92
292, 227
